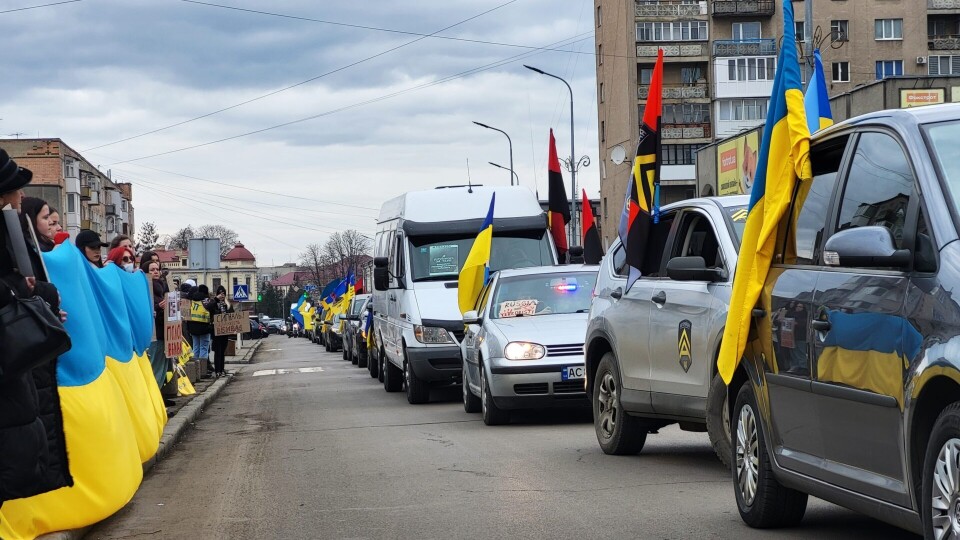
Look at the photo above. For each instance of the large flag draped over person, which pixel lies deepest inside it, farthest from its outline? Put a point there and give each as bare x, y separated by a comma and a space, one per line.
641, 204
476, 269
783, 158
558, 207
817, 101
592, 247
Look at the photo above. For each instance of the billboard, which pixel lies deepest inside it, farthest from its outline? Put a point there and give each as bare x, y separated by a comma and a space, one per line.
737, 164
910, 97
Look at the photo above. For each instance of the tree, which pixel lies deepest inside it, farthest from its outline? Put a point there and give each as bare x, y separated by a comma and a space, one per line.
147, 239
181, 239
314, 260
228, 237
345, 251
272, 303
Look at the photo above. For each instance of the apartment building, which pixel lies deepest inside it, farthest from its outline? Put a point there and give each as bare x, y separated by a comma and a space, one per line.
85, 196
719, 63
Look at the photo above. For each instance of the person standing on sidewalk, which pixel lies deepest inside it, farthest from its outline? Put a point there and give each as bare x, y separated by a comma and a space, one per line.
200, 323
220, 306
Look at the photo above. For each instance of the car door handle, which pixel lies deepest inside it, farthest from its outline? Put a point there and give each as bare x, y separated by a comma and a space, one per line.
660, 298
821, 326
617, 293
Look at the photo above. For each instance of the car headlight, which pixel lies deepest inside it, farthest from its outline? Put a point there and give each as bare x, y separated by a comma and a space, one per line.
431, 334
522, 350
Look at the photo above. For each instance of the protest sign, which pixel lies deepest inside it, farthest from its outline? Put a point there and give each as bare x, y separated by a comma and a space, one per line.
226, 324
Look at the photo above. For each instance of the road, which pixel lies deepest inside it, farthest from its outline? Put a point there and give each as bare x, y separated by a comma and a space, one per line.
329, 454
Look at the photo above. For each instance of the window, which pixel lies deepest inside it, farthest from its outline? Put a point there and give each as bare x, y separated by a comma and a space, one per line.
811, 202
751, 69
878, 187
235, 282
217, 282
888, 29
619, 262
656, 246
942, 27
599, 55
839, 31
690, 75
695, 238
686, 113
672, 31
679, 154
601, 93
841, 71
744, 109
798, 29
123, 205
889, 68
72, 203
646, 74
247, 281
943, 65
69, 168
743, 31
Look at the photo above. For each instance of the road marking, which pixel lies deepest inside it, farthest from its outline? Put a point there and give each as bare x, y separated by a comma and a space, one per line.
286, 371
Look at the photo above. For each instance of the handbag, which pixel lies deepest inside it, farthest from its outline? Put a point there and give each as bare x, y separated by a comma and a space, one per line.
31, 334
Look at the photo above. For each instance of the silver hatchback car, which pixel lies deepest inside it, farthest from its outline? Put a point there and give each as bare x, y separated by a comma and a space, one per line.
523, 347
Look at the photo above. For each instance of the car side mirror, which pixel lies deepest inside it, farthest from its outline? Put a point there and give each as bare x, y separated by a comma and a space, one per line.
865, 247
381, 275
691, 269
471, 317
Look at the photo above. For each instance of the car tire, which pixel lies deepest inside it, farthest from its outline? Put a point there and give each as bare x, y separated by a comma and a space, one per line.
618, 433
418, 390
392, 377
380, 362
471, 403
373, 364
361, 356
718, 420
762, 501
943, 451
492, 415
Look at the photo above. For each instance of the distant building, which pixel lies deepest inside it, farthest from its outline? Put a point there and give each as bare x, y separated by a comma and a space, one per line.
237, 267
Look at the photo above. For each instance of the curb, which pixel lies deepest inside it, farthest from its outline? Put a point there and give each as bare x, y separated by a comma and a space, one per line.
248, 354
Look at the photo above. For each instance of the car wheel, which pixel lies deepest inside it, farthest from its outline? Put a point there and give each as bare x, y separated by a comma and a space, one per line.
361, 356
418, 391
344, 352
380, 360
392, 377
617, 432
373, 364
718, 420
941, 477
762, 501
492, 415
471, 403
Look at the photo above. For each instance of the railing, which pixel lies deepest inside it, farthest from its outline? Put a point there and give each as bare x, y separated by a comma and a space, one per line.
85, 193
85, 224
943, 4
685, 131
693, 49
670, 9
742, 7
943, 43
676, 92
745, 47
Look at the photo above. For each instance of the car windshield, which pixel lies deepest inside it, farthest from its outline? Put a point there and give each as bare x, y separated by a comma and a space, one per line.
441, 257
943, 138
356, 307
737, 215
543, 294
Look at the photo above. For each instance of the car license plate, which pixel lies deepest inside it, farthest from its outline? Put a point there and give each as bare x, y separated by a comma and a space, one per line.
572, 373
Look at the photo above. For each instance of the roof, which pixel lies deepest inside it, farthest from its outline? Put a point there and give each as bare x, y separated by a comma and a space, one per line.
461, 203
290, 278
170, 255
239, 253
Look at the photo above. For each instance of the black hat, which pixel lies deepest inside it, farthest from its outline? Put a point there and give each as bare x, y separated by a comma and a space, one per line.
12, 177
90, 239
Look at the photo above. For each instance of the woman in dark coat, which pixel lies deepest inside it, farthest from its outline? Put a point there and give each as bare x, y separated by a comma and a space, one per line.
157, 351
218, 306
33, 454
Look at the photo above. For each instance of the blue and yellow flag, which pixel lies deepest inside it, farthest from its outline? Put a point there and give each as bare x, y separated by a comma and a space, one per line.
784, 156
816, 101
476, 269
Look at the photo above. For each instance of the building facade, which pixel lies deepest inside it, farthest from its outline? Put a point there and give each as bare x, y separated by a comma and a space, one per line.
237, 267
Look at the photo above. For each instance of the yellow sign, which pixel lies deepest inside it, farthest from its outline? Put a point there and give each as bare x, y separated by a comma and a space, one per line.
737, 164
917, 98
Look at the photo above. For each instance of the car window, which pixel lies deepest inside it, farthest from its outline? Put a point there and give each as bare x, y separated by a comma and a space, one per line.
543, 294
618, 263
482, 299
696, 238
925, 249
656, 245
878, 188
811, 203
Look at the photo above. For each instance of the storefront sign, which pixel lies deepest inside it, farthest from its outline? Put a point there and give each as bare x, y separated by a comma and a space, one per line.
917, 98
737, 164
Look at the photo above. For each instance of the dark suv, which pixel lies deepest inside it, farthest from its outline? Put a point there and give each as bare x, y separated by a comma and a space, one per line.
849, 388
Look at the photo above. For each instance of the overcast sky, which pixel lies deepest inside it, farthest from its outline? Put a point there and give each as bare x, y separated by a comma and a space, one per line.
94, 72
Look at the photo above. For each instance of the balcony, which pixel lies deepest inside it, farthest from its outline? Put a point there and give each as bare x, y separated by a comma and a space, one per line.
686, 131
943, 4
943, 43
111, 210
84, 193
745, 47
689, 91
673, 51
737, 8
85, 224
671, 9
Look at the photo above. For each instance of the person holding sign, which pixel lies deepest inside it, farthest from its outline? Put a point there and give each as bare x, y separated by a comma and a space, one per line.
218, 306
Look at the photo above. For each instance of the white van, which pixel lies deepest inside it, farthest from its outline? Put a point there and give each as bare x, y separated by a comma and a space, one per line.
423, 238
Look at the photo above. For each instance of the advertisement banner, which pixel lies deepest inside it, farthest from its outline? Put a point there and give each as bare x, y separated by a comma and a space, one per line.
737, 164
915, 98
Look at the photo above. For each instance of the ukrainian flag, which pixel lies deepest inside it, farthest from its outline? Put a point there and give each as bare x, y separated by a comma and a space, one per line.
784, 156
113, 414
476, 269
816, 101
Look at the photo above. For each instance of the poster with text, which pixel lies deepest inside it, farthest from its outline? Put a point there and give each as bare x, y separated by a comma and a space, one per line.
737, 164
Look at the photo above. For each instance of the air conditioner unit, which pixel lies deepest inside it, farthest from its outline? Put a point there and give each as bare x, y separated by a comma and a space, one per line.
921, 60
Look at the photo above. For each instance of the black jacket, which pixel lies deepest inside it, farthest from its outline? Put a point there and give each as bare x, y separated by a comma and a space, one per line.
200, 328
160, 290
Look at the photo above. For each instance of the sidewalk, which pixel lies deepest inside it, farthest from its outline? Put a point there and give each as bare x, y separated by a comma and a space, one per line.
181, 416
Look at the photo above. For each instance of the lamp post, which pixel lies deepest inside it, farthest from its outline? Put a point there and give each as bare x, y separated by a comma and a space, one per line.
572, 165
508, 142
512, 174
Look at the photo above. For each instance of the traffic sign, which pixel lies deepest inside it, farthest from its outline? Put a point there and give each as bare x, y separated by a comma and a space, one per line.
241, 293
309, 288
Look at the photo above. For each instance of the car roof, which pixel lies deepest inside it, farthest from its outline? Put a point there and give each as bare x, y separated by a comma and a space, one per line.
901, 118
556, 269
460, 203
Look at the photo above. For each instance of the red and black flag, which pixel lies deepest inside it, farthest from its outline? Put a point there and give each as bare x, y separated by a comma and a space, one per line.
558, 208
641, 205
592, 248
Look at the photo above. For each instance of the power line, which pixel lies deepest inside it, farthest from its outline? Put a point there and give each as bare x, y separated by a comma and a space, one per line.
301, 83
40, 6
356, 105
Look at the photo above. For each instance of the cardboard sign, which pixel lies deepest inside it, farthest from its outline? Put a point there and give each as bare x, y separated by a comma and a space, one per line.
173, 313
173, 339
786, 333
228, 324
516, 308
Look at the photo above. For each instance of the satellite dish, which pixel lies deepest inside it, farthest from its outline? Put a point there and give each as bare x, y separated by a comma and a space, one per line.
618, 155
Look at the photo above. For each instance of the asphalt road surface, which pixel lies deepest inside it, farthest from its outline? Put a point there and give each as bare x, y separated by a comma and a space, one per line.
328, 454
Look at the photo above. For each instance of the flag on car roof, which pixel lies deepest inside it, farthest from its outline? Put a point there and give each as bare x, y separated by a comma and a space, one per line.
476, 269
783, 158
592, 248
558, 208
817, 101
641, 205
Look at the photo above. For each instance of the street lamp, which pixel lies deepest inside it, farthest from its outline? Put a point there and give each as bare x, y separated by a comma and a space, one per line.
508, 142
572, 165
512, 174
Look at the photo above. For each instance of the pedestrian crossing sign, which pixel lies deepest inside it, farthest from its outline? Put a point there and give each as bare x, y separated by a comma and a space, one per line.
241, 293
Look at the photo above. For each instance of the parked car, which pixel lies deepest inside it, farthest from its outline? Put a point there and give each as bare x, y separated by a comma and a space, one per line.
275, 326
257, 331
333, 337
353, 339
522, 348
651, 350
